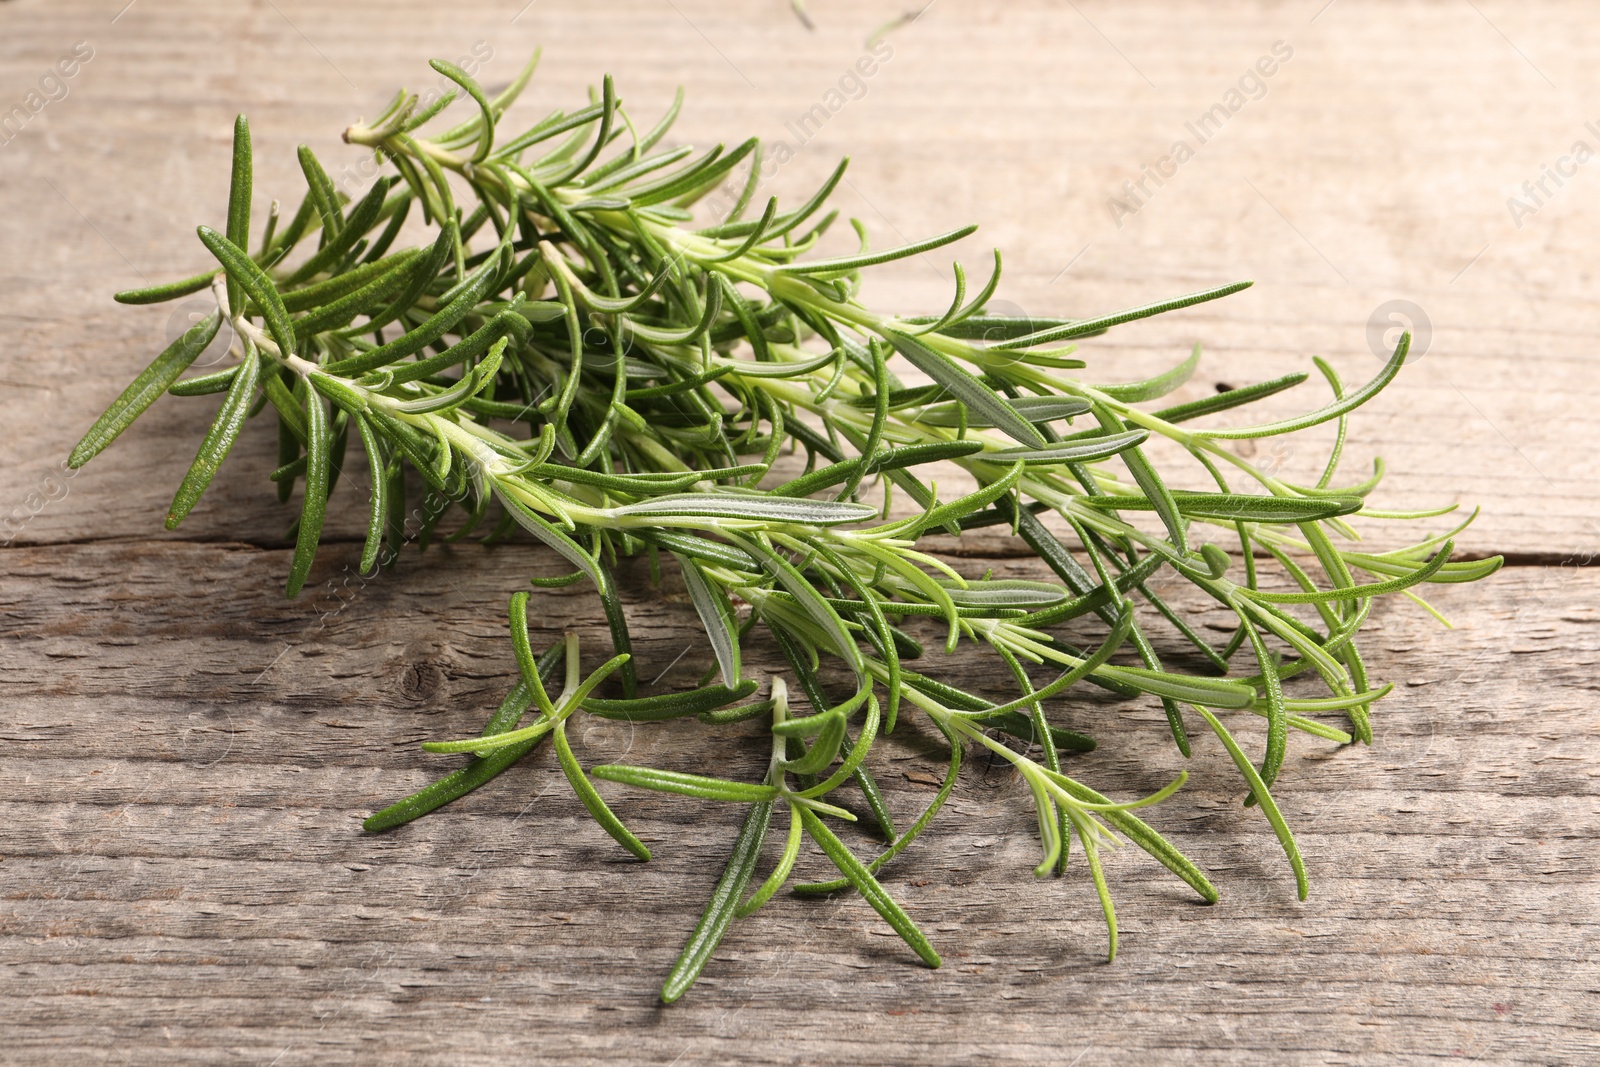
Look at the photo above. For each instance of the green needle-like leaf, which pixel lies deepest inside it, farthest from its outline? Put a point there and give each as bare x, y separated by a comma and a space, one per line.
463, 79
157, 294
780, 873
461, 782
760, 509
256, 285
1231, 399
340, 242
868, 886
717, 616
316, 499
823, 749
526, 664
239, 192
218, 441
1160, 385
1346, 404
1264, 798
1035, 409
1078, 451
427, 333
592, 800
989, 405
150, 384
671, 705
689, 785
379, 511
849, 264
323, 195
1093, 326
1230, 507
723, 906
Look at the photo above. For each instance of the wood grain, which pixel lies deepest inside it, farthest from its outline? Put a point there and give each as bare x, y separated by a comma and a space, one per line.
1026, 118
187, 756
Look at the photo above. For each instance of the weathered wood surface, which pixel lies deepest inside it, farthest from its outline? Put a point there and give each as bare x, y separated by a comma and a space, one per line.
1389, 142
187, 757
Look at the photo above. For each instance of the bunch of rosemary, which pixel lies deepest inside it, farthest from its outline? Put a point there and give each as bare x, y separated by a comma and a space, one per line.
573, 348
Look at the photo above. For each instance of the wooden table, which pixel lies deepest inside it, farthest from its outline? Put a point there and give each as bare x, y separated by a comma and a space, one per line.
188, 756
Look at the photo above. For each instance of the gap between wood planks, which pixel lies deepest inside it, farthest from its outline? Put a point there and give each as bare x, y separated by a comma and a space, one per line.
993, 550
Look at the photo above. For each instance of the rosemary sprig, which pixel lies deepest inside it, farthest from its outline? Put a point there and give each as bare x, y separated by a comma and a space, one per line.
577, 354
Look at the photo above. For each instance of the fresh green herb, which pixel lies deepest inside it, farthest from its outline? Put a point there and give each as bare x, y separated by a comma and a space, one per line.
575, 351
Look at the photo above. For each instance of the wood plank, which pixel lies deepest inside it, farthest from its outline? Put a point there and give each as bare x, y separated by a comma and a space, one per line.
1031, 132
184, 780
188, 756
